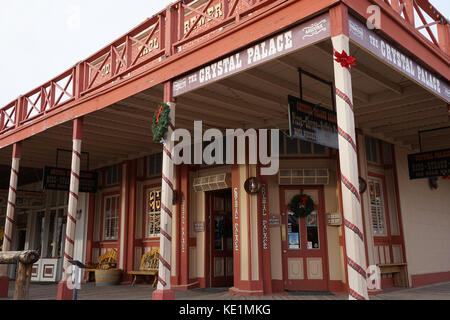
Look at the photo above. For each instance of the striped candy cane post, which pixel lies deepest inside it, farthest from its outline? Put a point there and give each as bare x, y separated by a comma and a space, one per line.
354, 238
164, 291
64, 288
12, 195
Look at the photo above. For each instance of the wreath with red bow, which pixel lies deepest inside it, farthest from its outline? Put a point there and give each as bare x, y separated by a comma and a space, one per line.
161, 122
302, 205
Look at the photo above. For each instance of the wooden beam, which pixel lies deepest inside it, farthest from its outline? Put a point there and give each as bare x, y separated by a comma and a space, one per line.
379, 109
289, 87
438, 121
366, 71
293, 64
402, 117
227, 101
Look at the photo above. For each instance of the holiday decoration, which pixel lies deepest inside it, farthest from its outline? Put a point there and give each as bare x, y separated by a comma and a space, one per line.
344, 59
302, 205
161, 122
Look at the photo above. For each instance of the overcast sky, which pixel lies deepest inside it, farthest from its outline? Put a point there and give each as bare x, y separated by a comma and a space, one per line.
40, 39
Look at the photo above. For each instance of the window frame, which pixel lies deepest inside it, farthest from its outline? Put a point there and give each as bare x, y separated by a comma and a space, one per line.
108, 175
147, 191
106, 197
284, 149
383, 206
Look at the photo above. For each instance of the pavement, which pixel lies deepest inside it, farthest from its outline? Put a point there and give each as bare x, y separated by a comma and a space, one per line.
144, 292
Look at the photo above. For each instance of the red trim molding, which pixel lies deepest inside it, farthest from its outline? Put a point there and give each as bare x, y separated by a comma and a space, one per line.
337, 286
418, 280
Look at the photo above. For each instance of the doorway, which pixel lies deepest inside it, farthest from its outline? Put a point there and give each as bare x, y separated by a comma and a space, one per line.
305, 264
219, 258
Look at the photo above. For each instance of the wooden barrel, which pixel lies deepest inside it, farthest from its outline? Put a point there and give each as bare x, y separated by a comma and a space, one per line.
104, 278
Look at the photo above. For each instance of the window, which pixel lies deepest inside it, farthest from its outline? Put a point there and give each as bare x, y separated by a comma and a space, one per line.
294, 147
111, 218
377, 207
113, 175
153, 213
155, 164
372, 150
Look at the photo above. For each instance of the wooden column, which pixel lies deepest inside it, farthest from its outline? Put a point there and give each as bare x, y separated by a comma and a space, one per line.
184, 195
131, 174
351, 199
164, 291
444, 37
65, 286
10, 215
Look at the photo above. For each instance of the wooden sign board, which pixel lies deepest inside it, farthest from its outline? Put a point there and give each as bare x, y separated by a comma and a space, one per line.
59, 179
312, 123
274, 221
199, 227
429, 164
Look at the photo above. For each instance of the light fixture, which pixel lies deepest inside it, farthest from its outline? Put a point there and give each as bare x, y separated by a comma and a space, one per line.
252, 185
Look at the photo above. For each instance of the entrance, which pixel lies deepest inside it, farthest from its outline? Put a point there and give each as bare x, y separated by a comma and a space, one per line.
305, 265
219, 205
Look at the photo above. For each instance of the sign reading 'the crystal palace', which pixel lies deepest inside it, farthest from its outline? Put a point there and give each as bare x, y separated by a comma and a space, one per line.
59, 179
313, 123
429, 164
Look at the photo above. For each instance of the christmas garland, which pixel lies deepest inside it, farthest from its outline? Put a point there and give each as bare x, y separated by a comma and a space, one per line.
302, 205
161, 122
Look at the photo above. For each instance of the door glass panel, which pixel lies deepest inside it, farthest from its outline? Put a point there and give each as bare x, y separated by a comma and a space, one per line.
61, 232
229, 232
293, 231
39, 231
51, 231
219, 232
312, 231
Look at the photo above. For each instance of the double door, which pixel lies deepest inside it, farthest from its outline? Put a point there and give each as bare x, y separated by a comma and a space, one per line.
49, 239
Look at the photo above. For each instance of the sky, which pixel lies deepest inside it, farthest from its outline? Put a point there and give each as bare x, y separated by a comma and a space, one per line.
40, 39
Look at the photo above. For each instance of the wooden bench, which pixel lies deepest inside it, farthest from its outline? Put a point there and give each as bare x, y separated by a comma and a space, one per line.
399, 272
149, 266
105, 262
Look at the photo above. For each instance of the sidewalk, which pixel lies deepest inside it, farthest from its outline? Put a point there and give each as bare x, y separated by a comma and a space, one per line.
144, 292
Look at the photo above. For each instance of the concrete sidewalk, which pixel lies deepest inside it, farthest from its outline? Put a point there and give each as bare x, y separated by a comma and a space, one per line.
144, 292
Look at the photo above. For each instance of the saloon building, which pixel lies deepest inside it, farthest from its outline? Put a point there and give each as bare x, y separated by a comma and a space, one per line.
364, 135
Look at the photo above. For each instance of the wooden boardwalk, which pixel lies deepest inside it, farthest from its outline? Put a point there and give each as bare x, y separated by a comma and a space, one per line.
144, 292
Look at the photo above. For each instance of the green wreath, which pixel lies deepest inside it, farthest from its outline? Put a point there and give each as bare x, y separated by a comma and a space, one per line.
161, 122
302, 205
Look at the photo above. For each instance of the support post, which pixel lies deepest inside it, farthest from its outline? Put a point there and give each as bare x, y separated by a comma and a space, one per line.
65, 287
24, 261
444, 37
354, 238
164, 290
10, 215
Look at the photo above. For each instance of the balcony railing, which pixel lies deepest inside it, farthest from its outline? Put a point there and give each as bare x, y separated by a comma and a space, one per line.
178, 28
425, 18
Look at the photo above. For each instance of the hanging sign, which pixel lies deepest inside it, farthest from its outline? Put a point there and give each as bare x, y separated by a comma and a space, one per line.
313, 123
429, 164
59, 179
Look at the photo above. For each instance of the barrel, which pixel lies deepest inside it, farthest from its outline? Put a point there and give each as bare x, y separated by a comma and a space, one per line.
104, 278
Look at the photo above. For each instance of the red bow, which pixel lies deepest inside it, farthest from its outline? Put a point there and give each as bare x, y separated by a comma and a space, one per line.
344, 59
304, 201
157, 116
